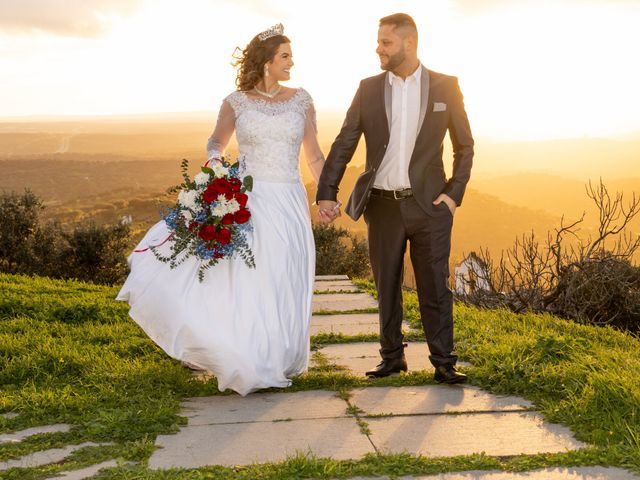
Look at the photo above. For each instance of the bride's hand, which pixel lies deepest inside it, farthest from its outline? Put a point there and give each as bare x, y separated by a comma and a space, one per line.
328, 211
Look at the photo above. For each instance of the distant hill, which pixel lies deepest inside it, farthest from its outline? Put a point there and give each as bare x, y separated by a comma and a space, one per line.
556, 195
175, 135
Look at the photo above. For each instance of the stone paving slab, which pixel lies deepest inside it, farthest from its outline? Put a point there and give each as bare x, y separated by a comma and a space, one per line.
348, 324
265, 407
362, 356
44, 457
432, 399
449, 435
322, 278
343, 329
245, 443
343, 301
9, 415
22, 434
574, 473
87, 472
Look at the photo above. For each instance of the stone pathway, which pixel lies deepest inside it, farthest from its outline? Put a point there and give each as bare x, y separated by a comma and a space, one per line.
428, 420
414, 419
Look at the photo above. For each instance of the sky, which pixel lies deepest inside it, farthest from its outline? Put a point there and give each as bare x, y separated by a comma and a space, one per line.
529, 70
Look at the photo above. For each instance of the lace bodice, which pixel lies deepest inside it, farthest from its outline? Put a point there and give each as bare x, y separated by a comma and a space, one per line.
270, 134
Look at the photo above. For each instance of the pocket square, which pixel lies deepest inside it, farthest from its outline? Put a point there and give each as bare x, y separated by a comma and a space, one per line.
439, 107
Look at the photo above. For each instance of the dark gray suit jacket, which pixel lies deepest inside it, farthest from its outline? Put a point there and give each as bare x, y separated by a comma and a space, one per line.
370, 114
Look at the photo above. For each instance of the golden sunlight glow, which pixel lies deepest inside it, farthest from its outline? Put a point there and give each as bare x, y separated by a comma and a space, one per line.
529, 69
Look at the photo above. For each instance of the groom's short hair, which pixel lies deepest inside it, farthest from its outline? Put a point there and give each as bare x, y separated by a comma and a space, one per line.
401, 21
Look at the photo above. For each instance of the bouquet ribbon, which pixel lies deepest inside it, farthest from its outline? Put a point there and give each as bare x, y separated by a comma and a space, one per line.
155, 246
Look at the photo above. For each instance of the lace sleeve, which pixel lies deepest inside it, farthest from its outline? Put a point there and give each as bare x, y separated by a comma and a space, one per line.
225, 126
312, 151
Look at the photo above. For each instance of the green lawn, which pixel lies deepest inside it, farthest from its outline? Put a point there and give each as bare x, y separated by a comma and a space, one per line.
69, 353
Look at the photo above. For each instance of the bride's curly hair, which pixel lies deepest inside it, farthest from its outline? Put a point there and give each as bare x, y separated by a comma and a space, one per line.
250, 61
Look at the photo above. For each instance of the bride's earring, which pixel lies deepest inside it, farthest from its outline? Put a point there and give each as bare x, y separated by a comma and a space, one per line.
266, 72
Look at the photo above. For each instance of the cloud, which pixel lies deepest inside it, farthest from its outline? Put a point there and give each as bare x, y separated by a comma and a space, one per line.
69, 18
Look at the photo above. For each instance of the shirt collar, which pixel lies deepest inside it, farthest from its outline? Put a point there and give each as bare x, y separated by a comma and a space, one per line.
417, 75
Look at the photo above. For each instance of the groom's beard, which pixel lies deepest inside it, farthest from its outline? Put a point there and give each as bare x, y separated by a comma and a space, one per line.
394, 61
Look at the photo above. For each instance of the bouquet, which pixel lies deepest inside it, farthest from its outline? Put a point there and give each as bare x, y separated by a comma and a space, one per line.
210, 219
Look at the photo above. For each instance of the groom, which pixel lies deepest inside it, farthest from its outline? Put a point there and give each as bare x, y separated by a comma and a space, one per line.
404, 114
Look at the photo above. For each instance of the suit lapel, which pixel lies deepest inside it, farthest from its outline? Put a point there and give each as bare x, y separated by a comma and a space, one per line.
387, 99
424, 97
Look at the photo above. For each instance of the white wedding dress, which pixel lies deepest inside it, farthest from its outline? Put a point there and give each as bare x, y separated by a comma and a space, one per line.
249, 327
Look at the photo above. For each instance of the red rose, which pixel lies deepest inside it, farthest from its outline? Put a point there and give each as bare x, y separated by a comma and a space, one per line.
227, 219
224, 236
209, 195
207, 232
242, 216
236, 184
217, 255
221, 186
193, 226
241, 198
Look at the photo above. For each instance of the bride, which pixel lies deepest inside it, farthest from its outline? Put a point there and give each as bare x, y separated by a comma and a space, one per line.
249, 327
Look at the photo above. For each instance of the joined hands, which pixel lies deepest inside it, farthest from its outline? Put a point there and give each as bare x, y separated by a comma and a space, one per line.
328, 211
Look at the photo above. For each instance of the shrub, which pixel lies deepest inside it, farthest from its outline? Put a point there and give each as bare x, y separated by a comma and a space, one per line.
18, 230
87, 252
96, 253
603, 291
339, 252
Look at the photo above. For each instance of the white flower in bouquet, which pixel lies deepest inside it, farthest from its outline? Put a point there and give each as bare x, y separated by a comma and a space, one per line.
187, 198
233, 206
188, 216
220, 170
201, 179
224, 206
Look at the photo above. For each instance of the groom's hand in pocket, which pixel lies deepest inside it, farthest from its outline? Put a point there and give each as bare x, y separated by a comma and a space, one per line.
328, 211
448, 201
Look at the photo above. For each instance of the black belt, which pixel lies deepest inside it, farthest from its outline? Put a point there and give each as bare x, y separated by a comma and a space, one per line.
392, 194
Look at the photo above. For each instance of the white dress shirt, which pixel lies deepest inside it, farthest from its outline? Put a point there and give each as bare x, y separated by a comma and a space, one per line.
393, 173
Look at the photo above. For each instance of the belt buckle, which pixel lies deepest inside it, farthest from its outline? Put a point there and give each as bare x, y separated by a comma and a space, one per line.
395, 196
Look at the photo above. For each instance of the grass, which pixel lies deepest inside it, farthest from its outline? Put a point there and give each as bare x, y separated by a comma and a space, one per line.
332, 292
70, 354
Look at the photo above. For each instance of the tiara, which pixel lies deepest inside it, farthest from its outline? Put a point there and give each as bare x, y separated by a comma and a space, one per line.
271, 32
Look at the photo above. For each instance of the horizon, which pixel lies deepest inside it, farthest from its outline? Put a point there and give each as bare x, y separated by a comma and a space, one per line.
209, 117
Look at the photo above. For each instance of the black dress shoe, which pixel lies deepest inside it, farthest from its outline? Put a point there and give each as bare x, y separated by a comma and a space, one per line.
449, 374
389, 367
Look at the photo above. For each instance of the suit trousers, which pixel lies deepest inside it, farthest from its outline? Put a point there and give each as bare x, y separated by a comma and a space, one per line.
391, 223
